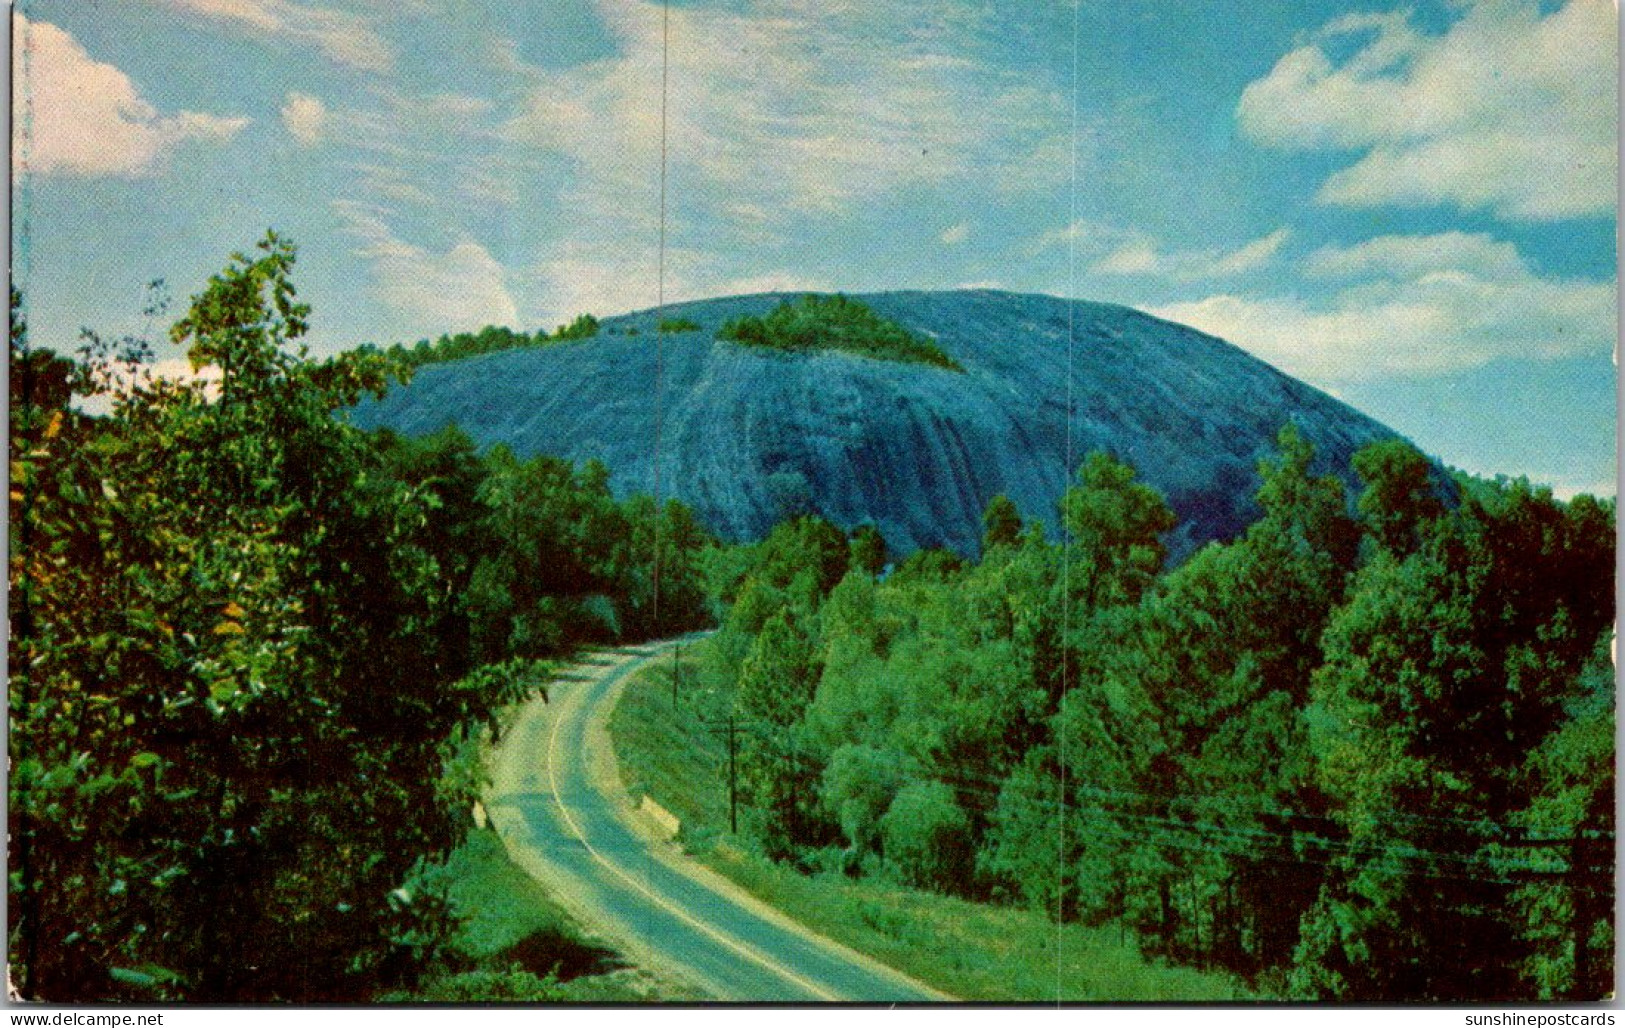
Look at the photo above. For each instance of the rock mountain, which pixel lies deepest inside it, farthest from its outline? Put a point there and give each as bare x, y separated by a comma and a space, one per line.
746, 436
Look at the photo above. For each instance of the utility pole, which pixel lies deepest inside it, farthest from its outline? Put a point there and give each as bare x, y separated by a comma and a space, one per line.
1582, 871
1591, 863
1577, 912
733, 728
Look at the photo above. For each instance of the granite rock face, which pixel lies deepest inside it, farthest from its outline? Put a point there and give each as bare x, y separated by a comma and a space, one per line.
746, 436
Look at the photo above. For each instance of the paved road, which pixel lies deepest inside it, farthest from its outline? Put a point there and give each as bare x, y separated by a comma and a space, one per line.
559, 806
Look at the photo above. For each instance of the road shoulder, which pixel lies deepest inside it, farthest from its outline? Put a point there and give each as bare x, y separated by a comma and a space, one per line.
607, 778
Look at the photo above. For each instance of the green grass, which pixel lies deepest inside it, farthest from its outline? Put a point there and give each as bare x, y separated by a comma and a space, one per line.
504, 907
517, 944
973, 951
674, 753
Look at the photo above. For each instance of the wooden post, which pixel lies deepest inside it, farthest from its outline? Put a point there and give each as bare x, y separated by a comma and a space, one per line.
1577, 870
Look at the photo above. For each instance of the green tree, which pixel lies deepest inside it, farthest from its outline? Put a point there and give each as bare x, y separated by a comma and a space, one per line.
926, 837
39, 386
858, 785
659, 585
1115, 526
809, 544
834, 323
1400, 498
868, 549
776, 683
1443, 673
1025, 852
1305, 516
560, 544
446, 472
1001, 524
1568, 925
585, 326
1183, 736
931, 564
777, 776
225, 745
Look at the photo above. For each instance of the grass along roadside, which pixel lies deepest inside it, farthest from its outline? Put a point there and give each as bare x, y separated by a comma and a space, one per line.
974, 951
516, 944
970, 950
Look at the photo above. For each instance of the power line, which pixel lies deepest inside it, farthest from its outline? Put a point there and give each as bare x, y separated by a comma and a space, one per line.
1167, 830
1500, 832
1527, 840
1243, 842
733, 726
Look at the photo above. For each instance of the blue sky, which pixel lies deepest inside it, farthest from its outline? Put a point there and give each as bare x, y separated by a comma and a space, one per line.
1411, 207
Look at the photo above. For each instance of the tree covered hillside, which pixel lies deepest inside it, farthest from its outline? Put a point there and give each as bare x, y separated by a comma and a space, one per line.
1350, 758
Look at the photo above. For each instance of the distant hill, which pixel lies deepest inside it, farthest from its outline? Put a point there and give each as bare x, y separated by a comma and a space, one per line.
749, 435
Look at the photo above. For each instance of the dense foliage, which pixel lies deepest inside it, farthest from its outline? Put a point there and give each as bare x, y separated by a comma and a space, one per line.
835, 323
1362, 752
490, 339
250, 646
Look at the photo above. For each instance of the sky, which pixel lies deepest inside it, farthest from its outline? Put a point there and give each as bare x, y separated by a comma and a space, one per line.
1411, 207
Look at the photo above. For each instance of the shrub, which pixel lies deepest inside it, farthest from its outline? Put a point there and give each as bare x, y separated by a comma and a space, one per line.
835, 323
927, 837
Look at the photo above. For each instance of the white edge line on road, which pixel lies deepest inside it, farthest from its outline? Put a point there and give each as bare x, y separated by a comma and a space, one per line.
736, 945
712, 882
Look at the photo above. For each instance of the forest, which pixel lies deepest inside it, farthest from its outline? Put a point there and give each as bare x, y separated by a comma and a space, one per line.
254, 650
490, 339
1362, 751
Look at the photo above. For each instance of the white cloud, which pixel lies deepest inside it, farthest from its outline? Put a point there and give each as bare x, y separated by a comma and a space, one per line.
1509, 110
580, 277
1412, 305
778, 114
955, 234
123, 380
1569, 488
392, 183
590, 276
304, 117
347, 39
1246, 258
1137, 256
74, 115
801, 111
1479, 254
1111, 250
436, 151
460, 288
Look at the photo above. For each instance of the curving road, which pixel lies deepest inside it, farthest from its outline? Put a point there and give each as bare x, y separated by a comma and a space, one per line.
558, 804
